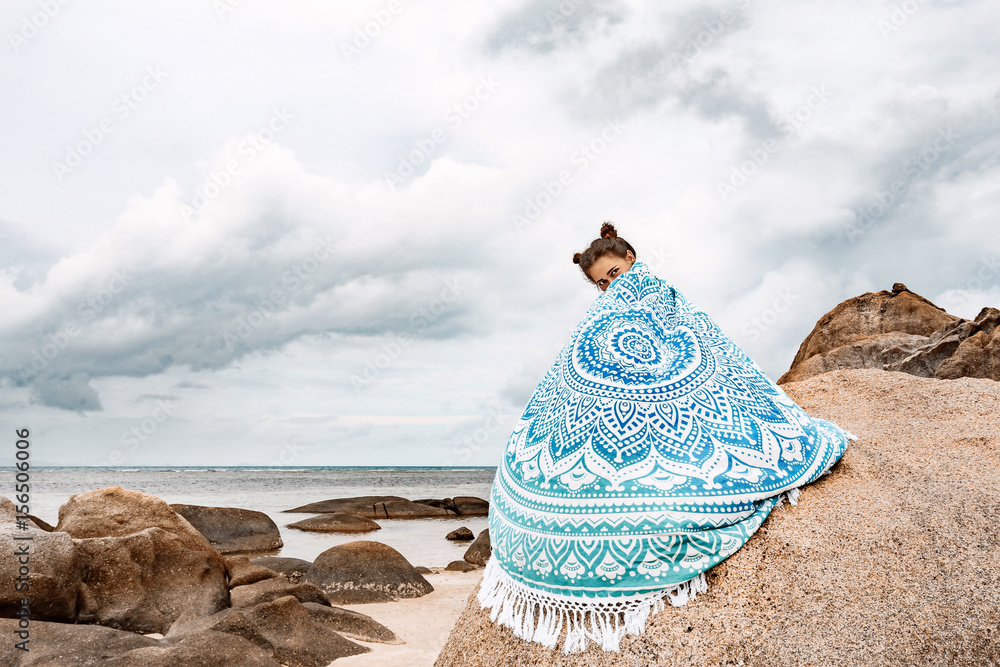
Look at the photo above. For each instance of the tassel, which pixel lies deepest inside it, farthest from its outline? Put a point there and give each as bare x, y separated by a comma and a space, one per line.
514, 606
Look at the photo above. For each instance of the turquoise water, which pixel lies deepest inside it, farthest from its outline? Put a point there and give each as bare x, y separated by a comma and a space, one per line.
273, 489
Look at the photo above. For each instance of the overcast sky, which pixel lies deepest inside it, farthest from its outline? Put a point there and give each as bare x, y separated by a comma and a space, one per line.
313, 233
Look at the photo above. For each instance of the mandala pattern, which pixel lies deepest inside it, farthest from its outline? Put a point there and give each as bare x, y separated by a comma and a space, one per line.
652, 449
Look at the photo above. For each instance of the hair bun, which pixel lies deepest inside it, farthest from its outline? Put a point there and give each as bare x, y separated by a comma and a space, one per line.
608, 231
576, 257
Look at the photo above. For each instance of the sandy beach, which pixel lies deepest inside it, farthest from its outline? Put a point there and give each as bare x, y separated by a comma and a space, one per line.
424, 623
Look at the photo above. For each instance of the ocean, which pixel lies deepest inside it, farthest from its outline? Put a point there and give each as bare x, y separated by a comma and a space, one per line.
273, 489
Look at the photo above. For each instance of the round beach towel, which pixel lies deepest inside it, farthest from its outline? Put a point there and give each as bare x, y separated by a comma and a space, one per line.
651, 450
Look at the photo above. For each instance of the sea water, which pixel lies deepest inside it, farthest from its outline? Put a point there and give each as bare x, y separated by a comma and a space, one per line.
273, 489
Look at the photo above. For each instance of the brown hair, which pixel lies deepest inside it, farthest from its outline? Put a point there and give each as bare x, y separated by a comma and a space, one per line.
608, 243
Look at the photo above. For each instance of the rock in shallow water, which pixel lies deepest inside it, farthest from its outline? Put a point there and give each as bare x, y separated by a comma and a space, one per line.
479, 551
460, 534
231, 529
460, 505
337, 522
460, 566
375, 507
891, 559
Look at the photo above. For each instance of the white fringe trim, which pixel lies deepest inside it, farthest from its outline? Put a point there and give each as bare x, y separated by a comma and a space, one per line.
514, 606
791, 495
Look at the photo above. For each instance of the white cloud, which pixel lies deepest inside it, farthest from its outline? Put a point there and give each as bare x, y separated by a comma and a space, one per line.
305, 267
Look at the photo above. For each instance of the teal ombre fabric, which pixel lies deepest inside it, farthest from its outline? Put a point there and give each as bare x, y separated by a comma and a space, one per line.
652, 449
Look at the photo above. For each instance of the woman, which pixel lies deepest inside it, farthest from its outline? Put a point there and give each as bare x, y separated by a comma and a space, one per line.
652, 449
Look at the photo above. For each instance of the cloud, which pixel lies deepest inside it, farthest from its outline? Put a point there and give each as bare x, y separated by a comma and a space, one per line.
72, 392
288, 275
270, 261
549, 25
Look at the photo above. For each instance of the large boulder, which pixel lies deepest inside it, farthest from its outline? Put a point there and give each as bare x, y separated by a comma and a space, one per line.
204, 649
242, 571
272, 589
868, 315
891, 559
144, 563
898, 331
119, 558
230, 529
284, 629
364, 571
471, 506
294, 569
114, 512
337, 522
977, 356
66, 644
351, 624
142, 582
51, 562
461, 505
375, 507
479, 551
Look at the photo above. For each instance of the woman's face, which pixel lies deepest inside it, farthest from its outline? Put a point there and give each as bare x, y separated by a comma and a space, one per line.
607, 267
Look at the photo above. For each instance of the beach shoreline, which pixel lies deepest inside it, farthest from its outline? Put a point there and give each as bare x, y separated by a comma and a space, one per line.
219, 522
423, 623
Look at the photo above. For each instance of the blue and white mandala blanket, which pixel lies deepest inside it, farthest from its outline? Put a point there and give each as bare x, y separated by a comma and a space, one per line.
652, 450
